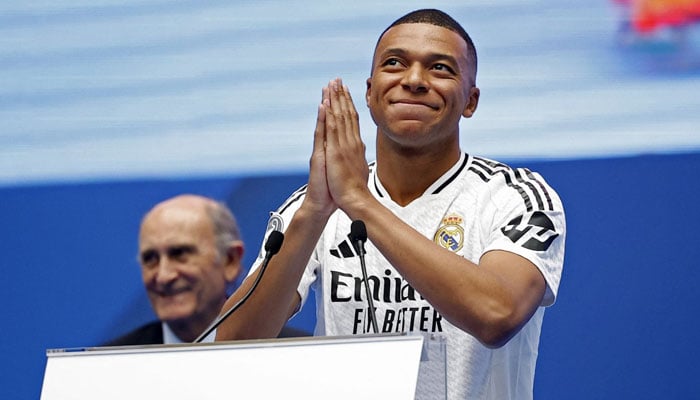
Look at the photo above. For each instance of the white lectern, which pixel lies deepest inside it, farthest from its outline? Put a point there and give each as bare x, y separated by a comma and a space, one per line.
357, 367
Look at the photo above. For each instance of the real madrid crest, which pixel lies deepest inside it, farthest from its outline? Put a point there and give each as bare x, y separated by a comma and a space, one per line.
450, 235
275, 223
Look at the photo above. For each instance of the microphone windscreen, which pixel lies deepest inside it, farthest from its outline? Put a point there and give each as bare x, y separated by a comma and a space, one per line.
274, 242
358, 231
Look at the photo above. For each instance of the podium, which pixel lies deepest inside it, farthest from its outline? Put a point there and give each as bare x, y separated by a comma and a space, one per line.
354, 367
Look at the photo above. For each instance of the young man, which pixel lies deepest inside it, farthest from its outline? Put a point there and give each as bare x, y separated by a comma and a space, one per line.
459, 246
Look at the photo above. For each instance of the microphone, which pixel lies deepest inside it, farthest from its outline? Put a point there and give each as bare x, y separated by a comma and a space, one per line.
358, 236
272, 246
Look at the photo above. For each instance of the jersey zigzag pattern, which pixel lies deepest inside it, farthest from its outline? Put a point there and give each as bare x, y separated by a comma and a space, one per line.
522, 180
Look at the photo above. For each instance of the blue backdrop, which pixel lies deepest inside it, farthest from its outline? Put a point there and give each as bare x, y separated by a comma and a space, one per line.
623, 326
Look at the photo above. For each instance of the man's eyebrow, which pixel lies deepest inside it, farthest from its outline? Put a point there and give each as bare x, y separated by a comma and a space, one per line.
181, 247
177, 247
393, 51
147, 250
398, 51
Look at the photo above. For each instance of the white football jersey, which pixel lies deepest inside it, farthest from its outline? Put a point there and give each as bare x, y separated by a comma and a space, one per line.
477, 206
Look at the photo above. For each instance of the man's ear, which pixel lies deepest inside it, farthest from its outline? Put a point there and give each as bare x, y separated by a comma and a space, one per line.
473, 102
369, 86
234, 257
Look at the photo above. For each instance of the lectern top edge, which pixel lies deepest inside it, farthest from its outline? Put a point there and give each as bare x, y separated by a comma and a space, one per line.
239, 344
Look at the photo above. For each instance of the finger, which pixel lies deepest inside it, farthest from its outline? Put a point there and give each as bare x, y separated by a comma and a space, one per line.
334, 119
320, 130
344, 113
353, 117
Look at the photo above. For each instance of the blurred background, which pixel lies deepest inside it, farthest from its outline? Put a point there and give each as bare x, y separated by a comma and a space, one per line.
107, 107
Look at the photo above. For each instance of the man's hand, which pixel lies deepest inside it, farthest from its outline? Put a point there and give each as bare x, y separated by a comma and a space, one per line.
318, 199
346, 165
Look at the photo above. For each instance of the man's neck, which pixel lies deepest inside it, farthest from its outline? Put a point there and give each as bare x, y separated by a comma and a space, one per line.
407, 174
189, 329
181, 331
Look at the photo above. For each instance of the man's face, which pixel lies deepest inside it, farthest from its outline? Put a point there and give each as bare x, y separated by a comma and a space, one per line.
182, 270
421, 84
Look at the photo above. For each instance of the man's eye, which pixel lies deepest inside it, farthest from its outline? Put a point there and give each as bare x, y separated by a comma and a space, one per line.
149, 258
442, 67
391, 62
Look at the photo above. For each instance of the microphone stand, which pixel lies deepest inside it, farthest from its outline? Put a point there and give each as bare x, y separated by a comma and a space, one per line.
272, 246
358, 235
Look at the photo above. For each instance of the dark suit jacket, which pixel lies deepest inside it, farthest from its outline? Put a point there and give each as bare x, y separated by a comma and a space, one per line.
152, 333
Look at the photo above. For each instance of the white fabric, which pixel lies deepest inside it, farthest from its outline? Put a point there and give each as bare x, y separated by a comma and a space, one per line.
468, 210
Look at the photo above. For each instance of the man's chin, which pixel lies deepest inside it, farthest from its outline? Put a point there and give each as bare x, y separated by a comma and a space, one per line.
172, 317
173, 311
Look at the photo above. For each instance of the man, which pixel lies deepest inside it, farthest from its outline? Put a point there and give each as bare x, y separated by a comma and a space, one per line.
459, 246
190, 253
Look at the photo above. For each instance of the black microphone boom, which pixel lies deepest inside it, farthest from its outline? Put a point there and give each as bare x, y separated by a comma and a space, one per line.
272, 246
358, 236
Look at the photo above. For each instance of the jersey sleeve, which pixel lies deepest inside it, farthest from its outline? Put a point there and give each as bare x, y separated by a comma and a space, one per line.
279, 221
529, 221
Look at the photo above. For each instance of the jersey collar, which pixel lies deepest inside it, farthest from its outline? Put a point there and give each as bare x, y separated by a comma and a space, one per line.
439, 185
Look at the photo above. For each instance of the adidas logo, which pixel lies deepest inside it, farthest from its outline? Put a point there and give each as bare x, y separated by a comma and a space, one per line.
344, 249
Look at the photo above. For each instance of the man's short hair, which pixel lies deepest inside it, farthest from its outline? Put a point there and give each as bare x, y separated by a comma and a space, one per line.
438, 18
224, 224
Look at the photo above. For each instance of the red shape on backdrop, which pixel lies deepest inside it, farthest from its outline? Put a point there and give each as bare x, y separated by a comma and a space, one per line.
649, 15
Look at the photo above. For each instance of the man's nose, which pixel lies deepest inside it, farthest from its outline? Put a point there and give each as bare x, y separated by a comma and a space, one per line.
167, 270
415, 78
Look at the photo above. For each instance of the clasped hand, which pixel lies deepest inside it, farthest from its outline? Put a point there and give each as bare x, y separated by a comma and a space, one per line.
338, 167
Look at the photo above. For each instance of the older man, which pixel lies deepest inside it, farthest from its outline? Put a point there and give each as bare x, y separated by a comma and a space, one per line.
190, 253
